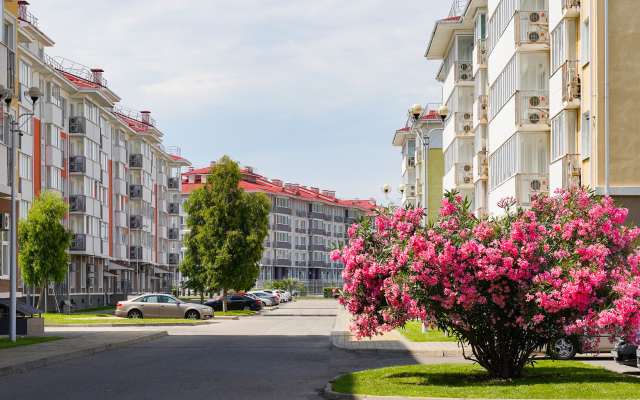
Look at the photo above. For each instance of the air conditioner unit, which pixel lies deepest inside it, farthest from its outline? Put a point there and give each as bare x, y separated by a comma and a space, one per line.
135, 191
91, 268
91, 282
537, 36
76, 203
411, 161
466, 67
174, 258
467, 117
135, 160
78, 242
135, 221
173, 208
539, 185
174, 234
413, 187
538, 18
4, 222
135, 252
413, 194
76, 125
173, 183
535, 118
72, 267
539, 102
76, 164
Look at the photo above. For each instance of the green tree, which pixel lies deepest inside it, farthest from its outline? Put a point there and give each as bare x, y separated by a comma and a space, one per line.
192, 266
228, 227
289, 284
43, 243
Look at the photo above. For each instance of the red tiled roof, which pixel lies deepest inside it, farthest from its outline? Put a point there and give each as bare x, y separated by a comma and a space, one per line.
135, 125
176, 157
432, 115
263, 185
81, 83
450, 19
405, 129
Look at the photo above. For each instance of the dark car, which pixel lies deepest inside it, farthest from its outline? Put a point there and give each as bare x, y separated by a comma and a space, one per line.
624, 353
236, 302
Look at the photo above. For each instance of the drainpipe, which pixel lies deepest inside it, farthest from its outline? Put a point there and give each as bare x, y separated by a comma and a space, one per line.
606, 96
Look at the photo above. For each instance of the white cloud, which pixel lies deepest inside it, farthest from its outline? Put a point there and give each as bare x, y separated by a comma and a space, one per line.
308, 92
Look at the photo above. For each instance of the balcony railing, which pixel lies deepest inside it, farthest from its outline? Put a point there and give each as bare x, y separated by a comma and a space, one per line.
483, 165
464, 123
533, 107
528, 184
570, 81
532, 27
464, 71
483, 52
483, 108
25, 15
571, 5
464, 174
457, 8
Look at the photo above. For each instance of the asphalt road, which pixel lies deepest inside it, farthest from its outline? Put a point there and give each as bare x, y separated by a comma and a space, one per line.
263, 357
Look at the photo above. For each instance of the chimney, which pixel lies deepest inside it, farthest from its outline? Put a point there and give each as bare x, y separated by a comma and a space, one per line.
212, 164
277, 182
332, 193
191, 169
295, 186
357, 200
372, 201
287, 185
314, 189
249, 169
97, 75
325, 193
145, 116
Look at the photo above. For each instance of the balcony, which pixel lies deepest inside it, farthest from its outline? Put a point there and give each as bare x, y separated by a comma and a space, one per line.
482, 53
528, 184
174, 258
78, 242
337, 218
571, 83
301, 247
565, 172
77, 203
174, 234
532, 29
282, 245
463, 123
301, 230
301, 213
571, 8
463, 71
265, 261
483, 165
135, 222
532, 109
173, 208
464, 175
78, 164
135, 252
135, 191
135, 161
482, 111
82, 126
173, 183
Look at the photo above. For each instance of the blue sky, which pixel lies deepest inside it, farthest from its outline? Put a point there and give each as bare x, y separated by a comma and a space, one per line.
306, 92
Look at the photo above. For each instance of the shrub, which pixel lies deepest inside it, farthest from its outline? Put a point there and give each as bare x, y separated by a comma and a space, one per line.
504, 286
331, 292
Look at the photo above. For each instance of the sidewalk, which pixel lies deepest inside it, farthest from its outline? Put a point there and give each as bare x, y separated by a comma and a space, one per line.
390, 342
75, 344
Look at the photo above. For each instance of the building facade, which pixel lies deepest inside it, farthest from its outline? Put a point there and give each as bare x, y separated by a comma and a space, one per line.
429, 127
524, 81
108, 163
305, 225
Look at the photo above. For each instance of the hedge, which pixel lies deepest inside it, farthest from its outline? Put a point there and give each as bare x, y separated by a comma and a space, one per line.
328, 291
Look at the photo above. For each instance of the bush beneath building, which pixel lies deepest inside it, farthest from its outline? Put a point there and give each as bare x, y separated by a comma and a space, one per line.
331, 292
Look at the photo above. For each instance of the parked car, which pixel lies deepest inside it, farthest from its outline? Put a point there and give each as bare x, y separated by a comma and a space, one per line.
626, 354
286, 295
162, 306
273, 300
566, 348
236, 302
281, 298
262, 301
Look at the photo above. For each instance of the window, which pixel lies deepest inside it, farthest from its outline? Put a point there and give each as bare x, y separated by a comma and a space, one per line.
53, 93
53, 135
121, 236
586, 42
25, 77
534, 71
26, 167
283, 202
104, 161
104, 230
26, 122
503, 88
54, 178
500, 20
105, 197
481, 26
504, 162
585, 136
24, 208
283, 220
460, 151
7, 37
104, 128
120, 170
557, 137
557, 48
283, 237
534, 153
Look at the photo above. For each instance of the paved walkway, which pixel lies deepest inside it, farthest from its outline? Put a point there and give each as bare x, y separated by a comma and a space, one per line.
390, 342
75, 344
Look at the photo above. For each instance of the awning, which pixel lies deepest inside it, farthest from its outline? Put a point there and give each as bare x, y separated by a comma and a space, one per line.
21, 308
155, 277
160, 270
113, 265
109, 274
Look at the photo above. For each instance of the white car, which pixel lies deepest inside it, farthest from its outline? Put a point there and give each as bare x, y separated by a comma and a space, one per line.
266, 298
287, 296
277, 293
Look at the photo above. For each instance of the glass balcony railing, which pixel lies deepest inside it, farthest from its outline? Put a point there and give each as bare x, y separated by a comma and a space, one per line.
533, 107
532, 27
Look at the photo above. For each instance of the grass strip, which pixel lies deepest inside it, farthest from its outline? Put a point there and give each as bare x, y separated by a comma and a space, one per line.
96, 309
413, 332
547, 380
5, 343
235, 312
54, 318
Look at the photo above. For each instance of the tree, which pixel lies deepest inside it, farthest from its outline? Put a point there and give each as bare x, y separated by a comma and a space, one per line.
502, 286
228, 227
192, 266
43, 243
289, 284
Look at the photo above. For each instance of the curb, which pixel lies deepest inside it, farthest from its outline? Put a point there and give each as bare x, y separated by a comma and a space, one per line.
125, 325
24, 366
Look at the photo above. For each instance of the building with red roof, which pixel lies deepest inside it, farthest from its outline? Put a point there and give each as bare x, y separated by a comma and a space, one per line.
305, 225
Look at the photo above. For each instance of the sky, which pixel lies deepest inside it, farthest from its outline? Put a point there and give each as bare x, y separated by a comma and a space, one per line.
308, 92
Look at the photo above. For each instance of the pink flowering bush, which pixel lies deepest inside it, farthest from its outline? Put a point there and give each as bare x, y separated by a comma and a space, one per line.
503, 286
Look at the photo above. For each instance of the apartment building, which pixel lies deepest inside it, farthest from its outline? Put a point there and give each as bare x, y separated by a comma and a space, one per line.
429, 127
525, 83
107, 161
305, 225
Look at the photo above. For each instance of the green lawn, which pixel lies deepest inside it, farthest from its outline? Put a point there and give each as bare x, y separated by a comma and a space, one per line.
97, 309
413, 332
5, 343
547, 380
235, 312
54, 318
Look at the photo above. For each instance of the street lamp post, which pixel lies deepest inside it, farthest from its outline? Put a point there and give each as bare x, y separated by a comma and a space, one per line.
8, 97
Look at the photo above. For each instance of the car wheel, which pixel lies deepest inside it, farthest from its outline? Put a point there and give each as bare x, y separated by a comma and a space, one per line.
563, 349
134, 314
192, 314
247, 308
